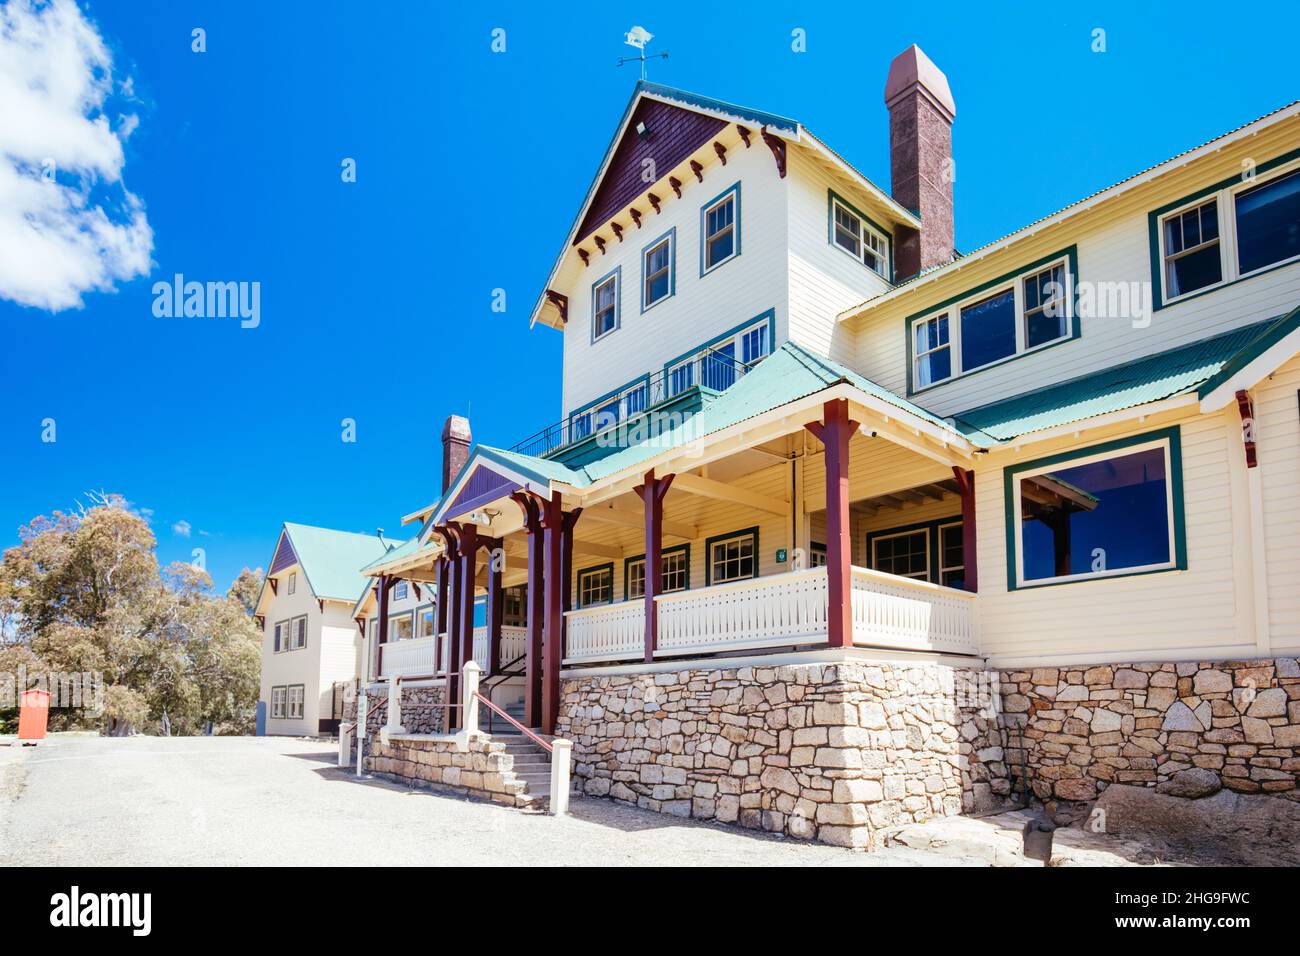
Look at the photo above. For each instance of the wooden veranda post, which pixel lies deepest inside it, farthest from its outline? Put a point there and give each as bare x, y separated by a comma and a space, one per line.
834, 431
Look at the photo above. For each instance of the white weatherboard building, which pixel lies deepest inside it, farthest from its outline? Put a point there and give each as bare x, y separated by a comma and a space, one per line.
311, 647
843, 527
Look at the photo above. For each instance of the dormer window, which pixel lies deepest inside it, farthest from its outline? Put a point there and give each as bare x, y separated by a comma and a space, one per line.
604, 306
657, 271
720, 230
853, 233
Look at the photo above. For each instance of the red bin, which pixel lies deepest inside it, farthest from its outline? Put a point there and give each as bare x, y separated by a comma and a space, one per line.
33, 714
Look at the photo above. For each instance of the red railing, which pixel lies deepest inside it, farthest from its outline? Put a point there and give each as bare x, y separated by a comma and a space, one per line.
516, 724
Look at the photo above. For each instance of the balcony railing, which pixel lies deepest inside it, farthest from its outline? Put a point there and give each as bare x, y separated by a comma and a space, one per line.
780, 610
709, 369
414, 658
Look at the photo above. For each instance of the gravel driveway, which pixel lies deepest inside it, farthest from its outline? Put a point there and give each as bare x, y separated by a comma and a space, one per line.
84, 800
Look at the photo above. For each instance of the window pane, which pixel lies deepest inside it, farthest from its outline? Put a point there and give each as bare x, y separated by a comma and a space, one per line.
635, 400
931, 334
934, 367
635, 580
950, 546
1268, 223
754, 345
674, 572
1195, 270
681, 378
904, 554
580, 426
656, 288
988, 330
718, 367
719, 248
733, 560
1103, 516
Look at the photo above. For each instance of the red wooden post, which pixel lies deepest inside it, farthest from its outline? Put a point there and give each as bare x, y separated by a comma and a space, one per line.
552, 643
834, 432
449, 536
652, 492
382, 637
966, 485
440, 613
468, 566
566, 569
495, 606
535, 611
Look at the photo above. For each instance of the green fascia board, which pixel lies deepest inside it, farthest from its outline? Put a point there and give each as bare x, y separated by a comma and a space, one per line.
1272, 333
1149, 379
331, 560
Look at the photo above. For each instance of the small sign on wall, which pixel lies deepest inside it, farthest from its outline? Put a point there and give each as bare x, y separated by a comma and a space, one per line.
780, 555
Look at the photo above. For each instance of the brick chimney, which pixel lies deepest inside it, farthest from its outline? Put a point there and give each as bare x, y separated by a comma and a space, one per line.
921, 111
455, 448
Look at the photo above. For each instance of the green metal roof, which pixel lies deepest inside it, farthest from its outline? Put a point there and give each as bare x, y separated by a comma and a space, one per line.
403, 550
1195, 367
331, 560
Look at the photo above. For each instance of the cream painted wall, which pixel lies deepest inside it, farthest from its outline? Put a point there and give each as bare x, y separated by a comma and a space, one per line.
300, 666
1277, 418
1113, 246
702, 306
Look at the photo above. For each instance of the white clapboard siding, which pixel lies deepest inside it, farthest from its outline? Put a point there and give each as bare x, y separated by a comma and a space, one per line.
1277, 417
1113, 244
702, 306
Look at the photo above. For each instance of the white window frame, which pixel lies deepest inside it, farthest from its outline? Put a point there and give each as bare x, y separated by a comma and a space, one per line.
401, 591
945, 347
865, 230
422, 612
1229, 255
945, 568
1016, 284
1085, 459
731, 196
911, 532
293, 581
615, 278
592, 572
294, 703
299, 632
278, 695
283, 630
736, 339
646, 275
668, 553
394, 620
749, 536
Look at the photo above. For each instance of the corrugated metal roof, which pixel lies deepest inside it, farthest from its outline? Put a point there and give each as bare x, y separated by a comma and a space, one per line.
331, 560
1140, 382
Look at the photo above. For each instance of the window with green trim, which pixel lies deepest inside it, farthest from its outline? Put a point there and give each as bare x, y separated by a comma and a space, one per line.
1115, 511
858, 239
1245, 226
673, 577
733, 558
596, 586
1016, 314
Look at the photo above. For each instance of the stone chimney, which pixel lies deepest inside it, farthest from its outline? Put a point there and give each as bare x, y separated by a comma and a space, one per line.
455, 448
921, 111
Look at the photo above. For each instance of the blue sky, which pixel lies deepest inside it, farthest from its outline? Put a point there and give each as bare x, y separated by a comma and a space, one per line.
376, 295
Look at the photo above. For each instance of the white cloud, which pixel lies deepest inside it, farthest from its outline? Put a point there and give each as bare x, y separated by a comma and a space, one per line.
181, 528
84, 230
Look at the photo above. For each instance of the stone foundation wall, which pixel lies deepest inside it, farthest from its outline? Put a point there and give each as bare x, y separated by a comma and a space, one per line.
834, 752
422, 711
1185, 729
482, 771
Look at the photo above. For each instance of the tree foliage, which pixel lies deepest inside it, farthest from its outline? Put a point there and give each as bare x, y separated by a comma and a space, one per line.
83, 592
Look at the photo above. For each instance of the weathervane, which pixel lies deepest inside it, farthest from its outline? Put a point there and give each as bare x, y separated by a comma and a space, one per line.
639, 37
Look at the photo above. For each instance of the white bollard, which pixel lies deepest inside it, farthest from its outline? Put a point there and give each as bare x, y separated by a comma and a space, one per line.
561, 755
361, 729
345, 744
470, 675
394, 724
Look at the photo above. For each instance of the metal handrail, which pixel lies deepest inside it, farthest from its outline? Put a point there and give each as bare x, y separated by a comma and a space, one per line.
557, 436
516, 724
503, 674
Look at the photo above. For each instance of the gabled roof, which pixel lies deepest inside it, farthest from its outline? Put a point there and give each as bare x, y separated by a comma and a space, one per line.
1189, 369
780, 126
331, 560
